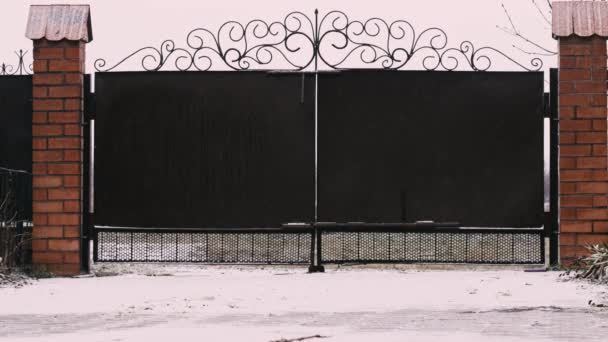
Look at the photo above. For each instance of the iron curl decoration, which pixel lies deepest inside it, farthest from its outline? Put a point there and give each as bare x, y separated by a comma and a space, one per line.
478, 59
157, 56
377, 43
256, 44
299, 42
21, 68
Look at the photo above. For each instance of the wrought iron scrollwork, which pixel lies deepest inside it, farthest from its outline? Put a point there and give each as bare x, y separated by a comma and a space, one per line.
479, 59
376, 43
333, 41
20, 69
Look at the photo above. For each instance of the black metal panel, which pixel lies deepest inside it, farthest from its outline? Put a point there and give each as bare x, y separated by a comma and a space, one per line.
215, 149
16, 122
408, 146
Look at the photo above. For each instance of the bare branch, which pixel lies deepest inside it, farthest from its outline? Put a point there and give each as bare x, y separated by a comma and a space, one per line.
528, 41
550, 5
545, 54
516, 33
542, 14
509, 17
300, 339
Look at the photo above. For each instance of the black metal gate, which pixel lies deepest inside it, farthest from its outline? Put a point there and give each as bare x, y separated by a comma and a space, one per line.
322, 163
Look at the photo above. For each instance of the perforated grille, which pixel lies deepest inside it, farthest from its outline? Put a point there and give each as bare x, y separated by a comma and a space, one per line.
475, 246
241, 248
433, 247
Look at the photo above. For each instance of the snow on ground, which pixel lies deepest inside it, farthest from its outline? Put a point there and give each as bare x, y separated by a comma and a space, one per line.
224, 303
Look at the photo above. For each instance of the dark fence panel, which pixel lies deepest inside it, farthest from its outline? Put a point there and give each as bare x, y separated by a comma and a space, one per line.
15, 196
16, 122
15, 218
407, 146
214, 149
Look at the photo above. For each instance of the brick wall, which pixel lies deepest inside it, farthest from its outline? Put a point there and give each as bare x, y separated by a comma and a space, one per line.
582, 152
57, 155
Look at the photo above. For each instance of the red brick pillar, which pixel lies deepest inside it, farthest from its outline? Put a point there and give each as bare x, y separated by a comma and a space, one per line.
582, 152
59, 64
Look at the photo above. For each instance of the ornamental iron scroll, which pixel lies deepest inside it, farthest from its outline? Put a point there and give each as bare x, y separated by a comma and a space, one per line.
20, 69
331, 41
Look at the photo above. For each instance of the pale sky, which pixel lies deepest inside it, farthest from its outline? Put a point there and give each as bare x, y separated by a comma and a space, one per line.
121, 26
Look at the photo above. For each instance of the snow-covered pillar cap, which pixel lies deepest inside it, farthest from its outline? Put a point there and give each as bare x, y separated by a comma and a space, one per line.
57, 22
580, 18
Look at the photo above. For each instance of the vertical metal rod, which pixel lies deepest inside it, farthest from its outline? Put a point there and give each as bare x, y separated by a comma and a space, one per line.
319, 248
553, 167
268, 248
497, 245
389, 246
312, 248
116, 246
374, 245
466, 247
342, 245
96, 246
132, 246
316, 113
451, 248
316, 146
298, 247
404, 246
542, 249
253, 248
221, 247
91, 161
358, 245
238, 236
419, 246
176, 247
435, 234
482, 249
284, 255
162, 246
513, 248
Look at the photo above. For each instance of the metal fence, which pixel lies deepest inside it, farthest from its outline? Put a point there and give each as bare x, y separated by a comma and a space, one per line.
15, 218
324, 243
238, 246
435, 245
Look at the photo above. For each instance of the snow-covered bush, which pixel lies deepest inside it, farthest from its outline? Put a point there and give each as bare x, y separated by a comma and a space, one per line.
596, 264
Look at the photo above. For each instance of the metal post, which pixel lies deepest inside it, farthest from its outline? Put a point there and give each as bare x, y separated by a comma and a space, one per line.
554, 169
86, 231
315, 251
96, 246
320, 267
317, 42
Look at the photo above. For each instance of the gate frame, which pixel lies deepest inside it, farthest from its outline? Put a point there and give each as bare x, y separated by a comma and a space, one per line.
49, 64
168, 48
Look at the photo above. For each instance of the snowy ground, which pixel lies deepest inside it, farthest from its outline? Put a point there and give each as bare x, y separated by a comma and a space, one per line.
209, 303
